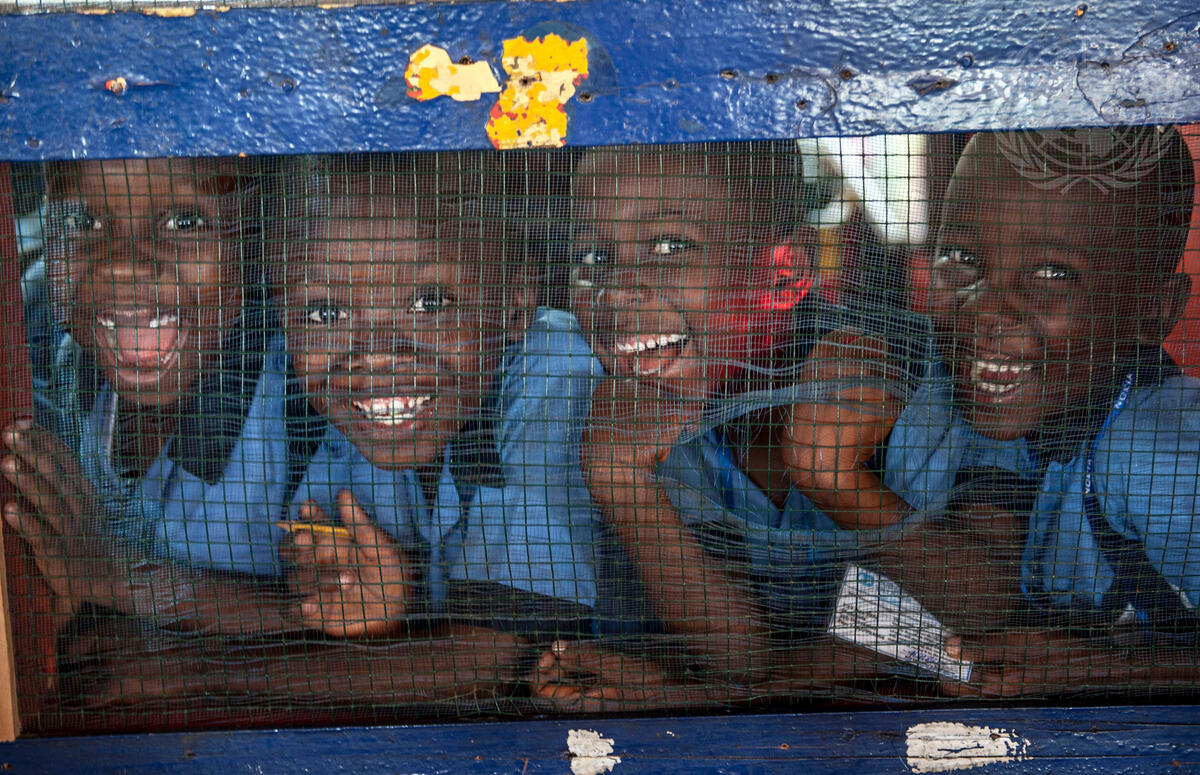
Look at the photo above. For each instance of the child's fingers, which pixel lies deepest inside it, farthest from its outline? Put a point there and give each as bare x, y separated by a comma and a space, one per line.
356, 519
36, 489
30, 528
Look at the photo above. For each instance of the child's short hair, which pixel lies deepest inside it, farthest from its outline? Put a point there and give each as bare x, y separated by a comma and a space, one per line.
768, 176
455, 195
1147, 168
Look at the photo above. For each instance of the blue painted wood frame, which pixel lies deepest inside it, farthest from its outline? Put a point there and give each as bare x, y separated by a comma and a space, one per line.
1153, 739
308, 80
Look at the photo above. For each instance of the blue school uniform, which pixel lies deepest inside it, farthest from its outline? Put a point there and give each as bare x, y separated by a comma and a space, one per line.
511, 529
211, 496
1088, 545
791, 551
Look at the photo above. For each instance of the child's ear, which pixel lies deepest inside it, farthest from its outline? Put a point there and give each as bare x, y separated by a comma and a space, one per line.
790, 269
1162, 307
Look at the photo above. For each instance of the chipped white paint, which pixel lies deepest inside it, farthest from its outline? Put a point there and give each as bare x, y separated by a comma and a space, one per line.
944, 746
590, 753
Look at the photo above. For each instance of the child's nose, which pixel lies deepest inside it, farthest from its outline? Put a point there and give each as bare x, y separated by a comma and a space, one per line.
133, 258
990, 310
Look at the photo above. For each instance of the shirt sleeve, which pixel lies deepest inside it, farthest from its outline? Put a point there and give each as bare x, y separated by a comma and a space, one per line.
537, 533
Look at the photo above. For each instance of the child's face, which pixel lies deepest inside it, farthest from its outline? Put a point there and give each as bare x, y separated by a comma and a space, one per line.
145, 257
394, 333
1034, 293
666, 277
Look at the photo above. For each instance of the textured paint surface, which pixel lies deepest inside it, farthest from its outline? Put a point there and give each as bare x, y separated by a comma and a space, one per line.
942, 746
431, 74
542, 76
591, 754
288, 80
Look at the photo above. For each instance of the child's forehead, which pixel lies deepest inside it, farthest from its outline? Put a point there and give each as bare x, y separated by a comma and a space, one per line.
146, 177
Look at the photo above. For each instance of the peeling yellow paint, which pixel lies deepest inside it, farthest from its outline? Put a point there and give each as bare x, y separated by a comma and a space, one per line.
94, 11
542, 76
175, 12
431, 74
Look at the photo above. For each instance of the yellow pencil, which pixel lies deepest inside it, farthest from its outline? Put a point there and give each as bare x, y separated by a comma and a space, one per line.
314, 527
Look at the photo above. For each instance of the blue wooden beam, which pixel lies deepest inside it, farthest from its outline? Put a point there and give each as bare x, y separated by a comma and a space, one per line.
1153, 739
308, 79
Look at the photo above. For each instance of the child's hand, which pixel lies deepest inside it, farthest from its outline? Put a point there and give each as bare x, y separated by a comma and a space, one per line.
1033, 663
579, 676
633, 425
827, 441
61, 524
351, 582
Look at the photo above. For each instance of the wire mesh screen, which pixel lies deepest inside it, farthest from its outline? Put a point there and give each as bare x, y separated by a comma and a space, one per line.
867, 420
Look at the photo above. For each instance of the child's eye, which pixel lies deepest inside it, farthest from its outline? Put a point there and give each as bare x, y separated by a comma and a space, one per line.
670, 246
78, 221
184, 221
430, 302
326, 314
956, 267
593, 257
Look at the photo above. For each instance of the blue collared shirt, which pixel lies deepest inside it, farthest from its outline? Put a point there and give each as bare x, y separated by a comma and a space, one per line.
519, 515
211, 496
1147, 475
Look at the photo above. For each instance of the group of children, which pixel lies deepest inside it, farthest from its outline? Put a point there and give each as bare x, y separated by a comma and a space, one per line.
314, 403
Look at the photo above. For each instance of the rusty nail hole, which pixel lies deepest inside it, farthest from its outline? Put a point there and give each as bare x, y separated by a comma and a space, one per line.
526, 81
784, 746
728, 74
802, 104
966, 60
6, 766
994, 736
117, 85
384, 31
478, 758
586, 96
670, 83
1080, 10
1169, 45
772, 78
1105, 66
846, 74
189, 754
465, 60
33, 142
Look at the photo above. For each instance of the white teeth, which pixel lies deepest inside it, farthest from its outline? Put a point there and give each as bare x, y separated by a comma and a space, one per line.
165, 319
1006, 371
394, 410
650, 343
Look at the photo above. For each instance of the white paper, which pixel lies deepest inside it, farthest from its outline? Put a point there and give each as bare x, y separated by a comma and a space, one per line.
873, 612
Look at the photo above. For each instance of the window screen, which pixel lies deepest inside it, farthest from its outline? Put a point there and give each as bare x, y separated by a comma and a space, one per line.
640, 428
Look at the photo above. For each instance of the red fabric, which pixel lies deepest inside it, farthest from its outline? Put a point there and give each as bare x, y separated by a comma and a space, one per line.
1184, 341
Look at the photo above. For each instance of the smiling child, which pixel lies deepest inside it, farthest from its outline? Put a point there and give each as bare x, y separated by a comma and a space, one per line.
147, 462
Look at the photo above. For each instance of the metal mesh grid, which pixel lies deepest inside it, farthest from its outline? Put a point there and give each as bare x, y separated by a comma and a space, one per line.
641, 428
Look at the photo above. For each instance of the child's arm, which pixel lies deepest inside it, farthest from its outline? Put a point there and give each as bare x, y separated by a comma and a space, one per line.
352, 580
82, 565
632, 428
1041, 663
452, 663
828, 442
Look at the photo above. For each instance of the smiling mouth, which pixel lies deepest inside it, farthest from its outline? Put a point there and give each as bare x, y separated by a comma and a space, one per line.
392, 411
999, 377
651, 354
144, 343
